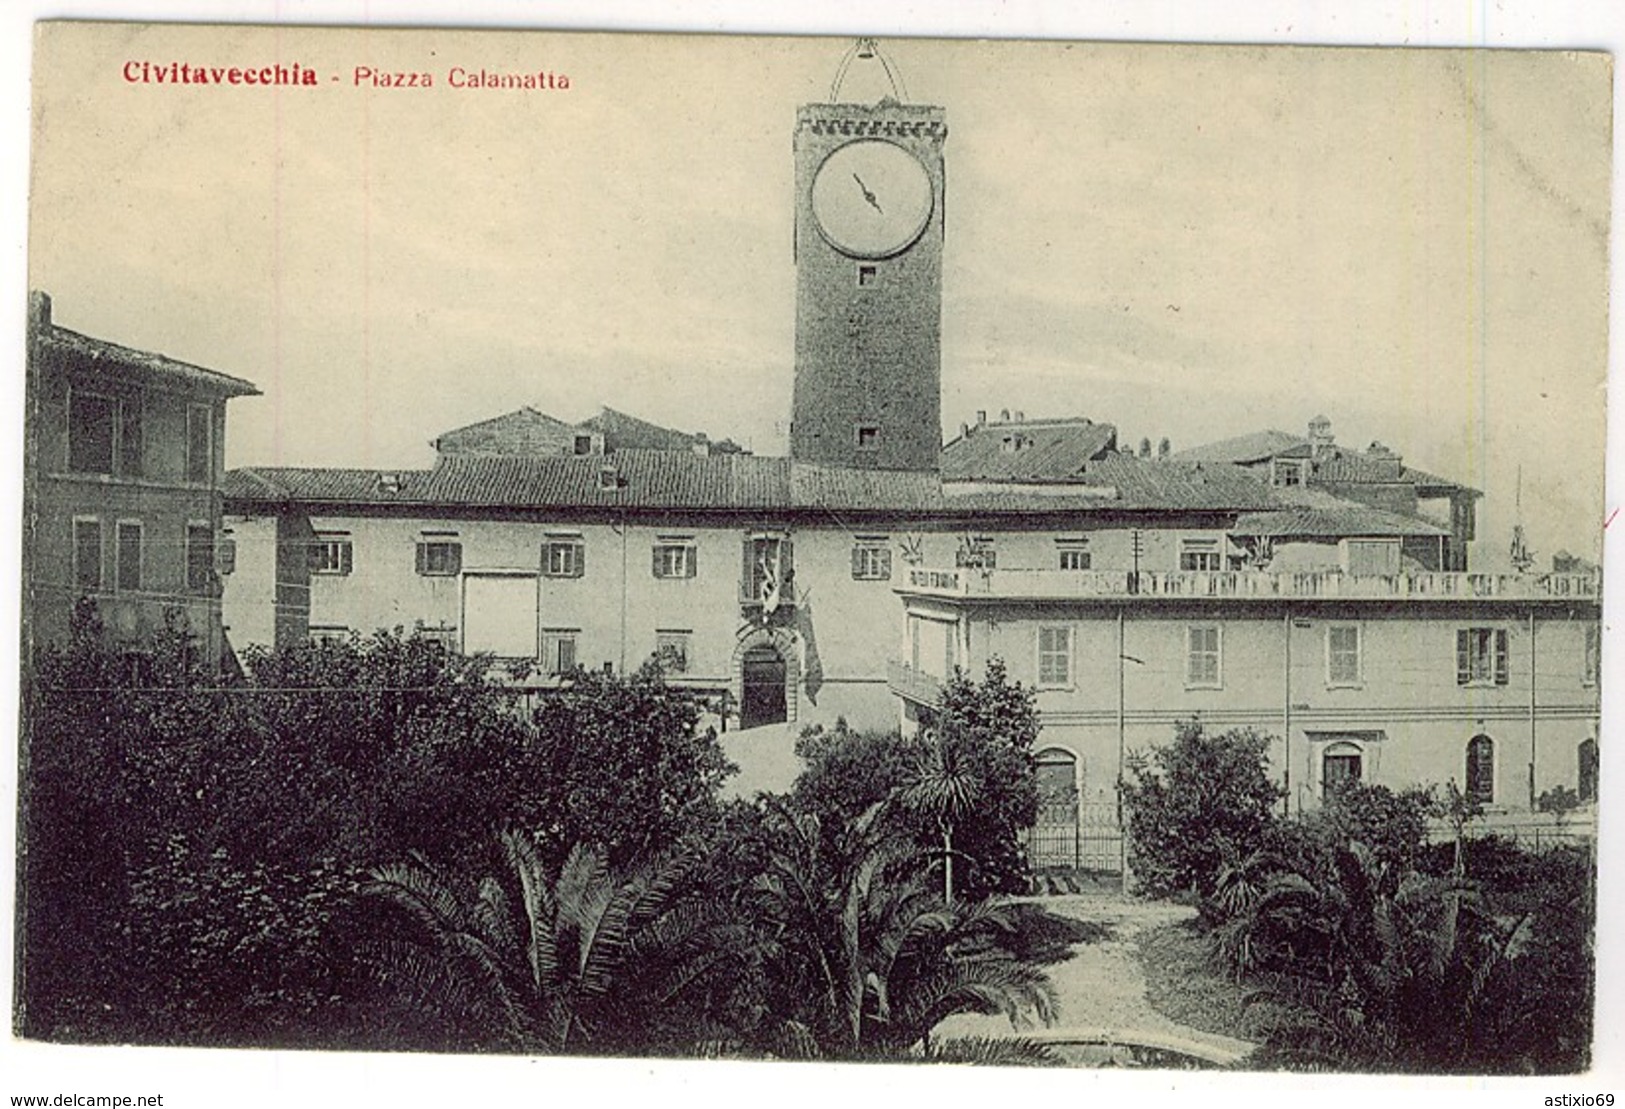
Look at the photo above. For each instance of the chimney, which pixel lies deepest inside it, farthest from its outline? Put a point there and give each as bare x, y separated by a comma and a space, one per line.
964, 431
1164, 448
1145, 447
39, 308
1004, 415
1020, 416
1320, 436
981, 416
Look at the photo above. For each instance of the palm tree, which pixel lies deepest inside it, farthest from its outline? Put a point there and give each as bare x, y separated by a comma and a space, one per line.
1373, 969
547, 963
868, 957
941, 786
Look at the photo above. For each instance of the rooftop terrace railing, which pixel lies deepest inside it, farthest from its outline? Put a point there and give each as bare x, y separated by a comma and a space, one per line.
1330, 584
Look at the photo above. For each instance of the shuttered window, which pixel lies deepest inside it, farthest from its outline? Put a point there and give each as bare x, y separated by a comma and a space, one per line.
1202, 665
1481, 656
871, 560
439, 557
1481, 769
129, 555
767, 571
87, 553
564, 558
675, 557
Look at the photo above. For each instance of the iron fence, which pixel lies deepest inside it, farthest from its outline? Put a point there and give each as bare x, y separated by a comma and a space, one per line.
1077, 836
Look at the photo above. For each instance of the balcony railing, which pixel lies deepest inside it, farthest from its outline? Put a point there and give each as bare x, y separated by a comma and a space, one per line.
1419, 586
915, 685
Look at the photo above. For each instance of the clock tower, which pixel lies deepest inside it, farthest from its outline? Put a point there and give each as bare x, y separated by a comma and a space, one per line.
868, 253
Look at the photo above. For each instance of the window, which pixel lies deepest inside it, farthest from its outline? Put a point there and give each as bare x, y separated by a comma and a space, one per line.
672, 650
128, 556
1073, 553
1199, 554
439, 556
767, 575
1592, 665
199, 557
199, 443
330, 553
1287, 472
1481, 656
1055, 657
868, 437
87, 552
930, 642
1202, 669
1587, 756
1481, 769
1340, 763
675, 557
129, 437
871, 559
91, 422
225, 554
977, 552
564, 556
583, 444
1343, 655
867, 276
443, 634
559, 650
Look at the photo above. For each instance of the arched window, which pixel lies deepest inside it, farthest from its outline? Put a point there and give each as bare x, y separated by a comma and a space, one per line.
1481, 769
1057, 774
1588, 770
1340, 763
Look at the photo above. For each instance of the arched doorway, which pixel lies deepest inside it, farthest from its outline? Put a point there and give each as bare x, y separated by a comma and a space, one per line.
1054, 838
763, 680
1481, 769
1588, 770
1341, 762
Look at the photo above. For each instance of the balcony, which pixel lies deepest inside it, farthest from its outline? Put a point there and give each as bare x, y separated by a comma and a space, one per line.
1245, 584
902, 680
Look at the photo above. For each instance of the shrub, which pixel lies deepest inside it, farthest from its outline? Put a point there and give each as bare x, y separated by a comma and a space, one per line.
1191, 805
1393, 826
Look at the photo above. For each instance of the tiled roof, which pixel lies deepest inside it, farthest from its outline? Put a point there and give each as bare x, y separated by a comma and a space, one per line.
1039, 450
1339, 465
522, 431
1243, 448
1347, 521
676, 479
300, 483
1355, 468
643, 479
144, 362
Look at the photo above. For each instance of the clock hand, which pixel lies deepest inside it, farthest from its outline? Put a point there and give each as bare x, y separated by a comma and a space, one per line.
869, 196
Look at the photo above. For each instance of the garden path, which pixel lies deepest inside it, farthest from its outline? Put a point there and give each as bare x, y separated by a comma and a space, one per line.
1102, 985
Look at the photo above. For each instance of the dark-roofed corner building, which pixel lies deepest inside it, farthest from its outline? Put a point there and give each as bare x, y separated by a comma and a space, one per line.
1375, 477
767, 578
122, 487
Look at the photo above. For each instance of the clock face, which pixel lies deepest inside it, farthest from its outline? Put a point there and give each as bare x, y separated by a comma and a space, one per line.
871, 198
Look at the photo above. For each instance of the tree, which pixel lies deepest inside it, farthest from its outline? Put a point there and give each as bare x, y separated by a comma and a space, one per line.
963, 790
864, 957
622, 762
1193, 804
577, 959
1370, 968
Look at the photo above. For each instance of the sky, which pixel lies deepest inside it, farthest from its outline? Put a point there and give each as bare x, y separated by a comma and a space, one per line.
1186, 243
1191, 242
